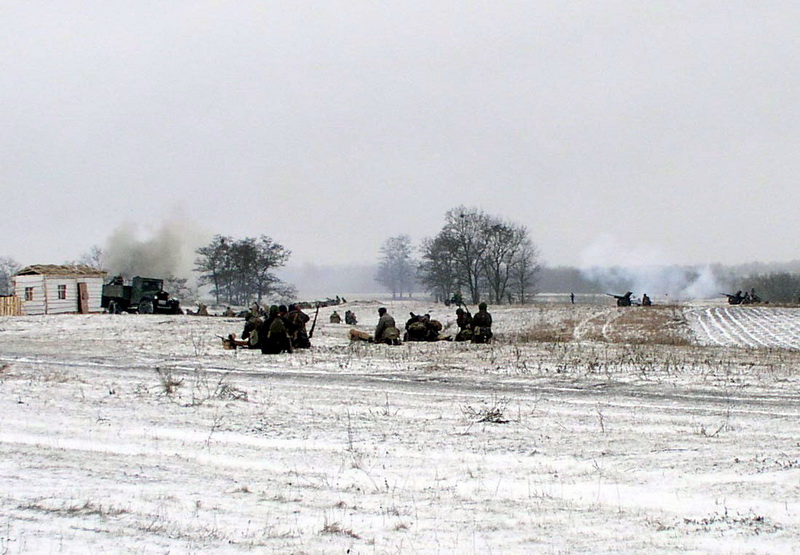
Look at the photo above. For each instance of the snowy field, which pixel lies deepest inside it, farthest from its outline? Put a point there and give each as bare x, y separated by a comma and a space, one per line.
583, 428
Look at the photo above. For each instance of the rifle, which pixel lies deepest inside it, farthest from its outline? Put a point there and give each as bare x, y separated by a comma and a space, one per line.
311, 331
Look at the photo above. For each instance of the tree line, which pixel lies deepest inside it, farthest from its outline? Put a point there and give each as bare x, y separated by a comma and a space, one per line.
477, 255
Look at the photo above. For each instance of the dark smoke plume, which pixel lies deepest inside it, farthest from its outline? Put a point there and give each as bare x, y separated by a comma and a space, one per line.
170, 251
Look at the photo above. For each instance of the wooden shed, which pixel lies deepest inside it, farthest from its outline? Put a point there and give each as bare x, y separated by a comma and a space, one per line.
54, 289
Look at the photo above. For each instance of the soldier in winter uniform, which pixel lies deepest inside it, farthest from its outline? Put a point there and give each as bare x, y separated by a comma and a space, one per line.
482, 325
386, 331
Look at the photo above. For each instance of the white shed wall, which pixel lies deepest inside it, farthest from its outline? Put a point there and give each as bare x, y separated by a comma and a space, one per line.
37, 305
61, 306
45, 293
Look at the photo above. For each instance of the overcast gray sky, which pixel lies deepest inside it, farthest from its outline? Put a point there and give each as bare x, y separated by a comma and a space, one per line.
615, 131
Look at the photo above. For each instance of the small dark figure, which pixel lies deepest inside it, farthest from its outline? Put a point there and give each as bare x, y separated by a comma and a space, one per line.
415, 328
350, 318
433, 327
386, 331
646, 300
277, 339
572, 298
250, 332
296, 321
464, 323
422, 328
482, 325
335, 318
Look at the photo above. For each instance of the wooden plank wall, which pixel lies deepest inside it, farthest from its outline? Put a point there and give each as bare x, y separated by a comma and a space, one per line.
39, 303
10, 306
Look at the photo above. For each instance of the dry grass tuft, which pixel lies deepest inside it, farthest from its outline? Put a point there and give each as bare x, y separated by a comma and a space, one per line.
560, 332
169, 383
492, 412
334, 528
657, 325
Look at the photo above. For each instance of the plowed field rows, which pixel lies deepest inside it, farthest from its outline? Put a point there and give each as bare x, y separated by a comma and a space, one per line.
746, 326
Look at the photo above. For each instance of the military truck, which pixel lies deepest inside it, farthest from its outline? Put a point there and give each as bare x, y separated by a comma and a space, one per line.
142, 295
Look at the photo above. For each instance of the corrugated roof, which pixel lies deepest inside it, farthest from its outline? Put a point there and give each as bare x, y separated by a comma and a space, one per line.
60, 270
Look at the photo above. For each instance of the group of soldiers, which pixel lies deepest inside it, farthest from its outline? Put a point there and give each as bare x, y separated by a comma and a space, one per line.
421, 327
749, 297
476, 329
282, 329
349, 318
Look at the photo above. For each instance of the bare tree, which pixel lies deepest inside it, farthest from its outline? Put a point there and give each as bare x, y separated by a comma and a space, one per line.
94, 257
179, 289
269, 256
8, 267
396, 269
503, 241
466, 231
437, 269
479, 253
214, 266
525, 269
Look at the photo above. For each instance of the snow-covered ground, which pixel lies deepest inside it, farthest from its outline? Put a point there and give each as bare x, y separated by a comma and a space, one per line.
583, 428
747, 326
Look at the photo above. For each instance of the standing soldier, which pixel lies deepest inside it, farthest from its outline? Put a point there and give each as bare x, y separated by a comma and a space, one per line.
250, 332
482, 325
296, 325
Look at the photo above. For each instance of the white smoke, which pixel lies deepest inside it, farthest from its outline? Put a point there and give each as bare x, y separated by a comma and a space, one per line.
641, 269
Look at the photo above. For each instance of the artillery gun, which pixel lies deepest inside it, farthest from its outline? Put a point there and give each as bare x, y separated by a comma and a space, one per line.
142, 295
746, 298
736, 298
622, 300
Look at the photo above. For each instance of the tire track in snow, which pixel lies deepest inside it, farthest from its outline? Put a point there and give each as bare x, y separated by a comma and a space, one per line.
585, 326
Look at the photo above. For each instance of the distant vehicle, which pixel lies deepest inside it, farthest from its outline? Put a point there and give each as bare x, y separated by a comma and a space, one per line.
143, 295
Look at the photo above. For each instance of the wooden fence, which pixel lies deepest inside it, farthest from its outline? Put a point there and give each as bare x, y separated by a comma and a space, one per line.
10, 306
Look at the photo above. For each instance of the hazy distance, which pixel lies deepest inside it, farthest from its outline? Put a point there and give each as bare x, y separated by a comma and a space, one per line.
657, 132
